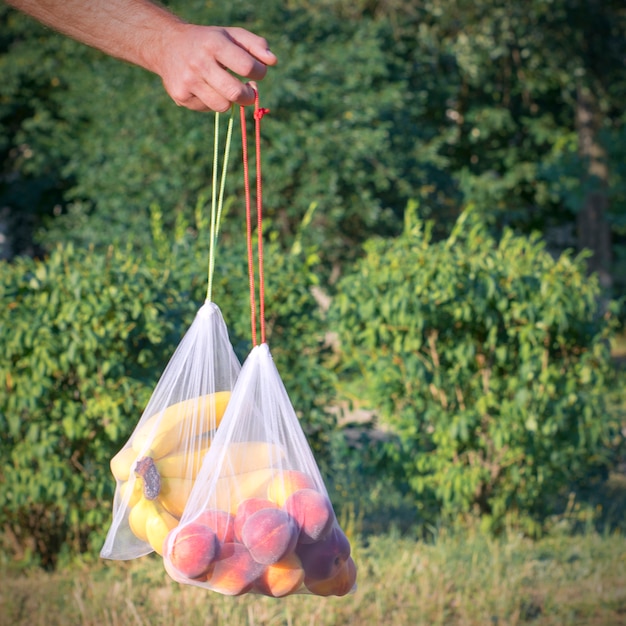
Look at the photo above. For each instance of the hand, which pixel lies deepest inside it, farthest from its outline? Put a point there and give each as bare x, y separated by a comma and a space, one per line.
194, 63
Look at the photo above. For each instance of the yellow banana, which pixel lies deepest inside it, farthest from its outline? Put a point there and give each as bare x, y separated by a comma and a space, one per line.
165, 431
248, 456
183, 464
174, 494
138, 517
231, 490
158, 525
134, 495
122, 462
240, 457
150, 522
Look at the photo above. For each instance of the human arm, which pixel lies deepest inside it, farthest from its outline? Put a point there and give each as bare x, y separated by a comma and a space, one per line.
192, 60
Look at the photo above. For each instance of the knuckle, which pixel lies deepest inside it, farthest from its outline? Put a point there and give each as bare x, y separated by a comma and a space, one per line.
222, 107
235, 93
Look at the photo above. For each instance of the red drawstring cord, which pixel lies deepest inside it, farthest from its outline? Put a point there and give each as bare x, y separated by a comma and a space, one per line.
258, 115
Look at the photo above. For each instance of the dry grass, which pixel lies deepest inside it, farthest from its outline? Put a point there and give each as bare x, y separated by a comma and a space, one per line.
467, 580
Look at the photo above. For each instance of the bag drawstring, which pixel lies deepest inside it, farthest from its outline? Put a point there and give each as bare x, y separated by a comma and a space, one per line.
217, 199
258, 115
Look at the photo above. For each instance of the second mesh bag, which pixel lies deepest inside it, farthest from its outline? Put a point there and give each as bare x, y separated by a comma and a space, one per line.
259, 519
156, 469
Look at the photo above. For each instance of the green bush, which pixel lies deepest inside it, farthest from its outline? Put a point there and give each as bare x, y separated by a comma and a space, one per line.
85, 337
490, 362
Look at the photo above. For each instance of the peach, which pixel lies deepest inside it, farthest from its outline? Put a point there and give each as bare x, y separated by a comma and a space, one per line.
192, 549
313, 513
324, 558
220, 522
341, 583
283, 484
282, 578
270, 534
234, 570
247, 508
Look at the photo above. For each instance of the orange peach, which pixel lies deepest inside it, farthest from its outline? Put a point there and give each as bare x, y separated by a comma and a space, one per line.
283, 484
282, 578
341, 583
220, 522
324, 558
270, 535
313, 513
192, 549
234, 570
247, 508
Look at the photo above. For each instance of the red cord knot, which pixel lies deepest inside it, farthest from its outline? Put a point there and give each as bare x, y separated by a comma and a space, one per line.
259, 113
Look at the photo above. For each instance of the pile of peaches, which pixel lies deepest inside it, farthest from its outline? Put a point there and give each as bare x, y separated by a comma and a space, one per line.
283, 541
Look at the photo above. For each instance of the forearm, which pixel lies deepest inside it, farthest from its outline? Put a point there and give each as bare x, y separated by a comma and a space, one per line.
198, 65
132, 30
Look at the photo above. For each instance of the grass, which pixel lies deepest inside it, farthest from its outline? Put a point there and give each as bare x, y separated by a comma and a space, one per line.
465, 579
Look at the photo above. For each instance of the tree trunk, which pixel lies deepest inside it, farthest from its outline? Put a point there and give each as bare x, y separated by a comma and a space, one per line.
593, 229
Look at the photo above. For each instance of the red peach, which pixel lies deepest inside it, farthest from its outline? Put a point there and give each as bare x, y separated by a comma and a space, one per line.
340, 584
234, 570
247, 508
282, 578
324, 558
270, 535
192, 549
285, 483
220, 522
313, 513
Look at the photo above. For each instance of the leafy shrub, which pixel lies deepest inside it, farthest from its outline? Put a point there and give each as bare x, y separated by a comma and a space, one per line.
85, 337
490, 361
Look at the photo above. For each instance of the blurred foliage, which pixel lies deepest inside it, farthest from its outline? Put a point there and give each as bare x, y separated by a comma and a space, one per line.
85, 336
489, 360
374, 105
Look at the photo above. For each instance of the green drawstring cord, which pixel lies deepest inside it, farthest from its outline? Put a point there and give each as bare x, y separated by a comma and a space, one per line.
217, 199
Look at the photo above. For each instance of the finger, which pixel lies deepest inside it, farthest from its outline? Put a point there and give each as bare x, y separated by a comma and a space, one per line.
241, 62
210, 100
220, 89
195, 104
255, 45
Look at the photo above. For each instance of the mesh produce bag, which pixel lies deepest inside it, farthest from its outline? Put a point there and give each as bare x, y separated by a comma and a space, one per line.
259, 519
156, 469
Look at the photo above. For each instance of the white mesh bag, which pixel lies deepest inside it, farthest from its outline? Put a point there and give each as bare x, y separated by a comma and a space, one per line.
259, 519
156, 469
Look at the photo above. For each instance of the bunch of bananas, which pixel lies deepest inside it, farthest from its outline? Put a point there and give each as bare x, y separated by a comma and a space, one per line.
156, 471
161, 461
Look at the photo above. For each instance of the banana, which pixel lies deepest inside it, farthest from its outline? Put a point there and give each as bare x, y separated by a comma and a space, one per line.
164, 431
240, 457
248, 456
150, 522
122, 462
231, 490
138, 517
183, 464
174, 494
134, 495
158, 525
